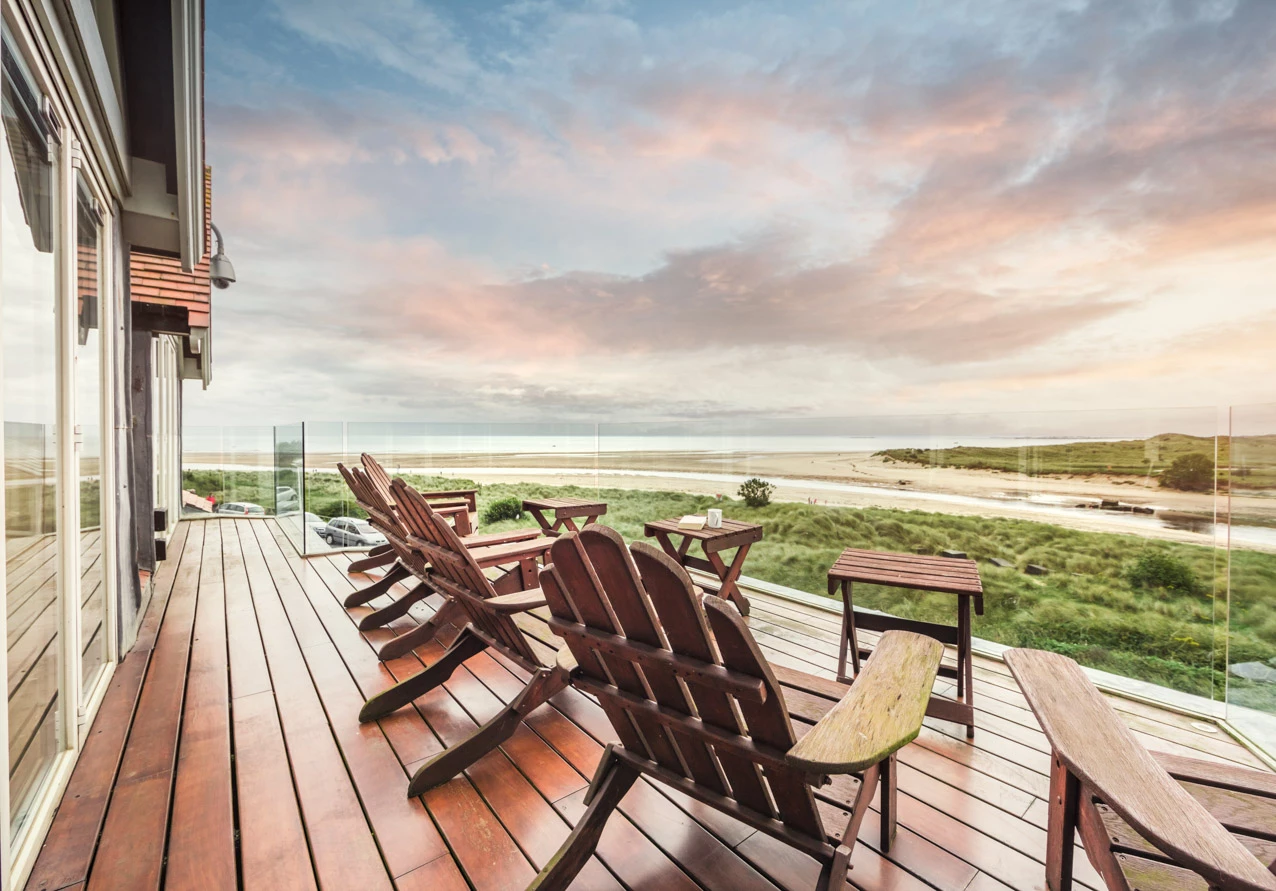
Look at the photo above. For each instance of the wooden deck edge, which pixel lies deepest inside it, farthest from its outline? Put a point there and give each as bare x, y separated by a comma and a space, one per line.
1243, 738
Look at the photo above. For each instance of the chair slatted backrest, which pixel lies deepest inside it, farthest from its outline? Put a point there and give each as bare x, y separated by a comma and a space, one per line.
365, 494
458, 574
634, 622
377, 476
383, 515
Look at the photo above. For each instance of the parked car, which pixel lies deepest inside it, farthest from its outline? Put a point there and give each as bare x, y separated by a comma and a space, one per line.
316, 524
348, 532
286, 500
241, 509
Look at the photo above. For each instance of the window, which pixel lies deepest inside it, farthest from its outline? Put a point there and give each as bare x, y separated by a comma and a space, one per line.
88, 422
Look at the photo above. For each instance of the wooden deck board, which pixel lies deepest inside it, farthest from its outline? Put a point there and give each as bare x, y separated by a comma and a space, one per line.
201, 850
237, 712
134, 837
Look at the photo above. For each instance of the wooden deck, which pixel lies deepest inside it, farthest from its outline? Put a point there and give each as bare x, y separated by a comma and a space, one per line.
227, 754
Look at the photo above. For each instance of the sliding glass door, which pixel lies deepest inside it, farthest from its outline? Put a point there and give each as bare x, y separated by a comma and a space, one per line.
56, 404
29, 228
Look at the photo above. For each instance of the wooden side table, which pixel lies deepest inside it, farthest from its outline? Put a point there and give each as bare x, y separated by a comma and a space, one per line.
566, 511
732, 534
920, 573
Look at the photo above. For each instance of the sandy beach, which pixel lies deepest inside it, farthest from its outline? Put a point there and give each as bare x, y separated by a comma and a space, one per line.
863, 469
850, 479
858, 479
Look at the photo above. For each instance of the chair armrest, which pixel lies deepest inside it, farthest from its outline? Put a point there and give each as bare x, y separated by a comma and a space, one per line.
470, 496
1095, 746
880, 714
442, 504
486, 539
494, 555
518, 602
566, 660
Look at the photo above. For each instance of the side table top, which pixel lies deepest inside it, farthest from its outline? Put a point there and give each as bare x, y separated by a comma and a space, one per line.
918, 571
729, 535
579, 506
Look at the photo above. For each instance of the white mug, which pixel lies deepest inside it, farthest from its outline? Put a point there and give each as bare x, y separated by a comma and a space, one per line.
715, 518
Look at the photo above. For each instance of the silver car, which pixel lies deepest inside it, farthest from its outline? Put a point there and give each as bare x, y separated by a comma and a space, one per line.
241, 509
348, 532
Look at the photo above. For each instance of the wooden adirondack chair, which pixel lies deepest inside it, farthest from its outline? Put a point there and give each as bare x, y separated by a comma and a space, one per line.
457, 573
371, 489
455, 503
407, 564
385, 517
1143, 826
643, 638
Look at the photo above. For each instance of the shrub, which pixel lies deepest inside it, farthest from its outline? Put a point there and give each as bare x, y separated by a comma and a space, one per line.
503, 509
756, 492
1155, 569
1189, 473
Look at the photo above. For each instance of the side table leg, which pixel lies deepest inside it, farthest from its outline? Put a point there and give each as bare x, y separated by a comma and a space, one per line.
841, 645
849, 638
540, 519
966, 663
729, 576
848, 609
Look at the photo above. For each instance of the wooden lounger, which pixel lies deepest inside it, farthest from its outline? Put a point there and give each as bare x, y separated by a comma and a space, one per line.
641, 638
457, 573
1143, 826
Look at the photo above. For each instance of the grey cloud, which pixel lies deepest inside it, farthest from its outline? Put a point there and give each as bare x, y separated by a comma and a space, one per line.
763, 292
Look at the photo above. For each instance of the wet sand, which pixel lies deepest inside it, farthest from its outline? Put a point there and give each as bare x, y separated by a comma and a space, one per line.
862, 469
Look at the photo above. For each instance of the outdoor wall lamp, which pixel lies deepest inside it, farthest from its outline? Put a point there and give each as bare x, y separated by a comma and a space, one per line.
220, 269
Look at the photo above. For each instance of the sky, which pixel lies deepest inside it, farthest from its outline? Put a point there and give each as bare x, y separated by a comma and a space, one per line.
611, 211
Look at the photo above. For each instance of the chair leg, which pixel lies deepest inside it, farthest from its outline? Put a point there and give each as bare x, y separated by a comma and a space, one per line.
400, 607
868, 785
378, 556
833, 876
889, 807
614, 779
1061, 825
449, 613
393, 699
448, 763
392, 577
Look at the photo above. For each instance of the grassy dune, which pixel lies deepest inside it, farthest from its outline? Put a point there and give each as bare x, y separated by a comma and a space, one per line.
1252, 459
1086, 607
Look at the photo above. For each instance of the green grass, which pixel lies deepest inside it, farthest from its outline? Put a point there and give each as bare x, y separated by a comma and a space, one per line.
1253, 463
1086, 607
